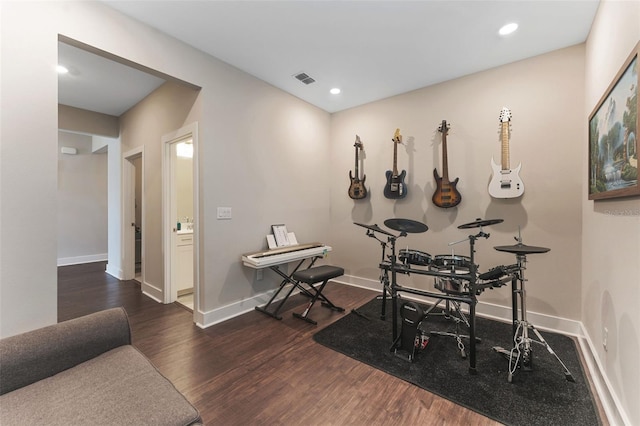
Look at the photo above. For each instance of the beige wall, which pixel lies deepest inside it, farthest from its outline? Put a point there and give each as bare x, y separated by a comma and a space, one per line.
268, 159
28, 172
87, 122
168, 108
611, 229
82, 201
259, 149
544, 94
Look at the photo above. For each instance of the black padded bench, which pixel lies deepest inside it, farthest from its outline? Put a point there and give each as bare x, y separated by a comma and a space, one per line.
313, 276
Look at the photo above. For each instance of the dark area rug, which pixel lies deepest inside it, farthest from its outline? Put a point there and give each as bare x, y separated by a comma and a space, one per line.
541, 396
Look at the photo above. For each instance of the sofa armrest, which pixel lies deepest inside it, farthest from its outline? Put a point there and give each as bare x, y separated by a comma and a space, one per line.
32, 356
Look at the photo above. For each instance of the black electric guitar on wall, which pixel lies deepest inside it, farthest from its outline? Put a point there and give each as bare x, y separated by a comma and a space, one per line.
446, 195
357, 190
395, 187
505, 182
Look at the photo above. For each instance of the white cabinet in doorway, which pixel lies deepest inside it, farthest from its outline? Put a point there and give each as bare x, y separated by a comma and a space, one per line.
184, 262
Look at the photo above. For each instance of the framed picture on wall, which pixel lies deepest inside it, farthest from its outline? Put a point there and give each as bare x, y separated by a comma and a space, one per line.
613, 136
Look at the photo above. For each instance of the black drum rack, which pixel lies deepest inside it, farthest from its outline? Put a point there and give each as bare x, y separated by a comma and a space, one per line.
391, 288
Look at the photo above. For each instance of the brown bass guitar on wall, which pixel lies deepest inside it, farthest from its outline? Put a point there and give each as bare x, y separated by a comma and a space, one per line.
357, 190
446, 195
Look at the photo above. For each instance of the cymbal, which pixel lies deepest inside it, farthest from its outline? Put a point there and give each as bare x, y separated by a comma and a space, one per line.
375, 228
479, 222
406, 225
522, 249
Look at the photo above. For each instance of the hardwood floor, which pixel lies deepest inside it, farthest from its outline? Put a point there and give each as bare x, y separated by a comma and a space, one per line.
253, 369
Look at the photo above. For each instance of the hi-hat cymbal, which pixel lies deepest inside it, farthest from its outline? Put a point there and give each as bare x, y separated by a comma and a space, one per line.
375, 228
479, 222
406, 225
522, 249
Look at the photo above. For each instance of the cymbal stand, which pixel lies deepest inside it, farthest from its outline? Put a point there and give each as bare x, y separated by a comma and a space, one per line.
394, 282
521, 354
384, 274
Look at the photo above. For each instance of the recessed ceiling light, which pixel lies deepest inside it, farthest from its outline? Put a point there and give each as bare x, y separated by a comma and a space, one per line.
62, 69
334, 91
508, 29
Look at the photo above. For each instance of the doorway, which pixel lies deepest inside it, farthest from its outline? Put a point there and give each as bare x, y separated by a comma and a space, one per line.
180, 217
129, 227
133, 207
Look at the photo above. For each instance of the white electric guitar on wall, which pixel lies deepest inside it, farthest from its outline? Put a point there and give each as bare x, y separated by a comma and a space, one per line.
505, 182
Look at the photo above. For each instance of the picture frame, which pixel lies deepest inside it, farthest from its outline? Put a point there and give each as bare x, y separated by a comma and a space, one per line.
613, 136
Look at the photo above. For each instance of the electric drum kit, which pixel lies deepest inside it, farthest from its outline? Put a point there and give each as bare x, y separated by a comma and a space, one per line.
458, 281
447, 266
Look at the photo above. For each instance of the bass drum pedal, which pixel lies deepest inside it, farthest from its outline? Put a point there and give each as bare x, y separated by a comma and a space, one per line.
411, 339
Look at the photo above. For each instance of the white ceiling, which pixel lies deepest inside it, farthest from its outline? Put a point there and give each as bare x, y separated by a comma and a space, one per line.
369, 49
98, 84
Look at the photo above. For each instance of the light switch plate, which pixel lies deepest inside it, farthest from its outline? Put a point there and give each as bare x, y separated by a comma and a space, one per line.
224, 213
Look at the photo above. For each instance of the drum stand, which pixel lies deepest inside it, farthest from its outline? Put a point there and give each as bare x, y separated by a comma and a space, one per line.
521, 355
448, 313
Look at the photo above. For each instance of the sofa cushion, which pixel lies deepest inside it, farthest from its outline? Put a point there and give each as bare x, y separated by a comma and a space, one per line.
38, 354
118, 387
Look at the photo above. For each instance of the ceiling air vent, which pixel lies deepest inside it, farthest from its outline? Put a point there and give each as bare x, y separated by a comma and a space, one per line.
304, 77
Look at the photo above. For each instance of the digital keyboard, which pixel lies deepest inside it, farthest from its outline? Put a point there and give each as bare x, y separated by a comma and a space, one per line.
265, 259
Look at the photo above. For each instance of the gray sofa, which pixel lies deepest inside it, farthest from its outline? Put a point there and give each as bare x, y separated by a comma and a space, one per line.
85, 372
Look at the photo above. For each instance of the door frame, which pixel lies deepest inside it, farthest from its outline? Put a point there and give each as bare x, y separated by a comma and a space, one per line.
189, 131
128, 213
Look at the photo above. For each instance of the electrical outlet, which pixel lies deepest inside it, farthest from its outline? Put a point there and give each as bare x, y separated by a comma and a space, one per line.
224, 213
259, 274
605, 336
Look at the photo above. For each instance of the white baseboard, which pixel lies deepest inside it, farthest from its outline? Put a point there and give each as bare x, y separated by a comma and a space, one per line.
77, 260
207, 319
114, 272
152, 291
610, 402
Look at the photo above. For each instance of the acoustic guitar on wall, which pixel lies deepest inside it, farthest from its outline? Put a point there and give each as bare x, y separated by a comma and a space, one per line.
446, 195
357, 190
505, 182
395, 187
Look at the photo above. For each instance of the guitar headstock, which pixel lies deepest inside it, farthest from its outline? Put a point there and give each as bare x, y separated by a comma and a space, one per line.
397, 137
505, 115
358, 143
444, 127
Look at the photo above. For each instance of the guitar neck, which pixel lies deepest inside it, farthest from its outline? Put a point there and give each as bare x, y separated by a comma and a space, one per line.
445, 160
395, 157
505, 146
356, 166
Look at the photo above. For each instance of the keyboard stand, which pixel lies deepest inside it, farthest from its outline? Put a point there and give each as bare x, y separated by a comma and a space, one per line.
286, 279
